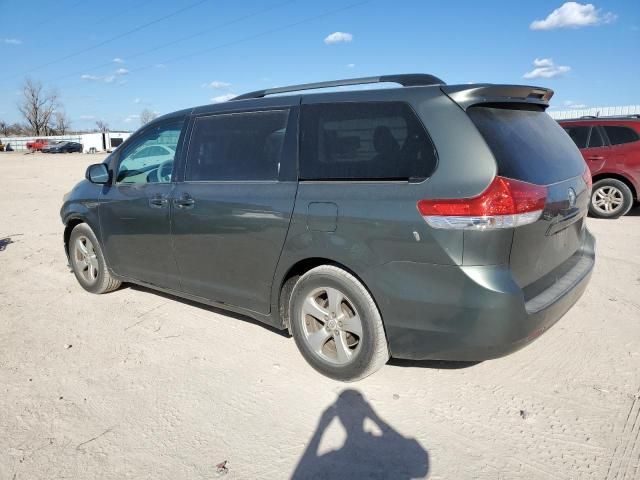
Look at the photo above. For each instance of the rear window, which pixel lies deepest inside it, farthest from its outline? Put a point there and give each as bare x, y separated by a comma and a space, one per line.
528, 145
619, 135
364, 141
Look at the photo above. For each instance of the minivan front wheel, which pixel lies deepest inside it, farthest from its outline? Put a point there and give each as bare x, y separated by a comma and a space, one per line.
610, 198
87, 261
336, 324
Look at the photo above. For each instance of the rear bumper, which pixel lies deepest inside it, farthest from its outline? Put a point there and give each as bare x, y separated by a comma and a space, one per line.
471, 313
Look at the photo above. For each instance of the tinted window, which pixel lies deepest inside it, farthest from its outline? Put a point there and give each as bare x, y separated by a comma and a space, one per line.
239, 146
149, 157
579, 135
364, 141
595, 139
618, 135
528, 145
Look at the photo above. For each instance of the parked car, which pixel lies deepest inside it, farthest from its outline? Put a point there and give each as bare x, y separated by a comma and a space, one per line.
421, 222
611, 148
37, 145
63, 147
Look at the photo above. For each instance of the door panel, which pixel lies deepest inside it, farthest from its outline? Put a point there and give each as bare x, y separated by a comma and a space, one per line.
135, 222
228, 242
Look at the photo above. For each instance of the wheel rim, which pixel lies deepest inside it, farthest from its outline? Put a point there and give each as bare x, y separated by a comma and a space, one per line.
86, 260
607, 199
331, 326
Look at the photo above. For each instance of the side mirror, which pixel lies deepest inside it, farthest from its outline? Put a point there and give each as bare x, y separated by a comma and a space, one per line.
97, 173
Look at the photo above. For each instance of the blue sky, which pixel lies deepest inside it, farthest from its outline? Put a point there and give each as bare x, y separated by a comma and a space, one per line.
104, 66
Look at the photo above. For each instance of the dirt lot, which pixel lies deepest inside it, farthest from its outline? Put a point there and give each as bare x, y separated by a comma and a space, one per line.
135, 384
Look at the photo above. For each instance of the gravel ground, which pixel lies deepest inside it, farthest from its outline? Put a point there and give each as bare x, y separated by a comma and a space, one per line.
135, 384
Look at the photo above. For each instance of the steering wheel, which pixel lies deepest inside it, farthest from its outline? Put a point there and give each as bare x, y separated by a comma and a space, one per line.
163, 172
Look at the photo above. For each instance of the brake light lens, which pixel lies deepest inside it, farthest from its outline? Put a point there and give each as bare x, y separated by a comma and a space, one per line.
586, 176
506, 203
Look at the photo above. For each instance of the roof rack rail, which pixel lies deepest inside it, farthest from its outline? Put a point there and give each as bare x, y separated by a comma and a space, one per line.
589, 116
406, 80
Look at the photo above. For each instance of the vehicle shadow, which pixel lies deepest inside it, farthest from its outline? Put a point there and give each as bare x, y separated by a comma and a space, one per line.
209, 308
440, 364
385, 454
4, 242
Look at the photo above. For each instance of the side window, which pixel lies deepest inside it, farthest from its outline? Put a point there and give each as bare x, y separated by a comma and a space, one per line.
149, 158
364, 141
595, 139
579, 135
237, 146
619, 135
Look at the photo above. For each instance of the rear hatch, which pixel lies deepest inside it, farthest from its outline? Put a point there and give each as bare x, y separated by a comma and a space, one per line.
530, 146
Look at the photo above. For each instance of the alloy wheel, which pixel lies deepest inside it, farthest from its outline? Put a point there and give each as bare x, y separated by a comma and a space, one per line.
331, 325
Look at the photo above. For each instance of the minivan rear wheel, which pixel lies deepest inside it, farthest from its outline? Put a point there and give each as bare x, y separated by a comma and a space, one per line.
88, 263
336, 324
610, 198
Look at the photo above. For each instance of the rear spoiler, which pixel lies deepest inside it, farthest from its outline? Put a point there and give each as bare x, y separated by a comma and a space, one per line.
469, 95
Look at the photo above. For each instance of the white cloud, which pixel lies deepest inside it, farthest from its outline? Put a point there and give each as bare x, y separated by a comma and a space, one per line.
351, 65
136, 100
131, 118
573, 15
117, 60
122, 71
90, 77
574, 105
338, 37
216, 84
12, 41
223, 98
545, 68
160, 65
110, 79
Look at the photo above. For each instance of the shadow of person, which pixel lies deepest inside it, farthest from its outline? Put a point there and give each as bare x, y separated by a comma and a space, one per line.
364, 454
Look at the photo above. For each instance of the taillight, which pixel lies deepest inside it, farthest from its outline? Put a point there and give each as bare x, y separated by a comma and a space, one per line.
586, 176
506, 203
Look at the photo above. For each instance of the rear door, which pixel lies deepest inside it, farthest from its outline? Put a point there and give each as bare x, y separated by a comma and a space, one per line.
530, 146
232, 211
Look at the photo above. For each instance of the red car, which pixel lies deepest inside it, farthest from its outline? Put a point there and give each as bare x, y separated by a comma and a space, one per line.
611, 148
37, 145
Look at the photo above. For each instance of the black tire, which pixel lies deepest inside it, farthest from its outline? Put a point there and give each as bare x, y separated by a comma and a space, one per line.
605, 188
369, 351
85, 264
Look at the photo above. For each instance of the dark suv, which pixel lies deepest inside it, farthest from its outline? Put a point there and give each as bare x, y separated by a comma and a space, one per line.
611, 148
421, 222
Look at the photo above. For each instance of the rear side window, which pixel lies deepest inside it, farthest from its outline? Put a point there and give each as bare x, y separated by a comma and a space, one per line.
579, 135
238, 146
619, 135
595, 139
528, 145
364, 141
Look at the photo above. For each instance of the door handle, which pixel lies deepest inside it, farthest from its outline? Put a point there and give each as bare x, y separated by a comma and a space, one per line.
596, 157
158, 201
185, 201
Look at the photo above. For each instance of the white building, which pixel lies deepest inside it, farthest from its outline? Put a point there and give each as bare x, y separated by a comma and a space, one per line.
91, 142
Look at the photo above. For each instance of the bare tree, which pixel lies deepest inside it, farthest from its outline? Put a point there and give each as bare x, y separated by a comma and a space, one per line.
4, 128
102, 126
146, 116
63, 122
37, 107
